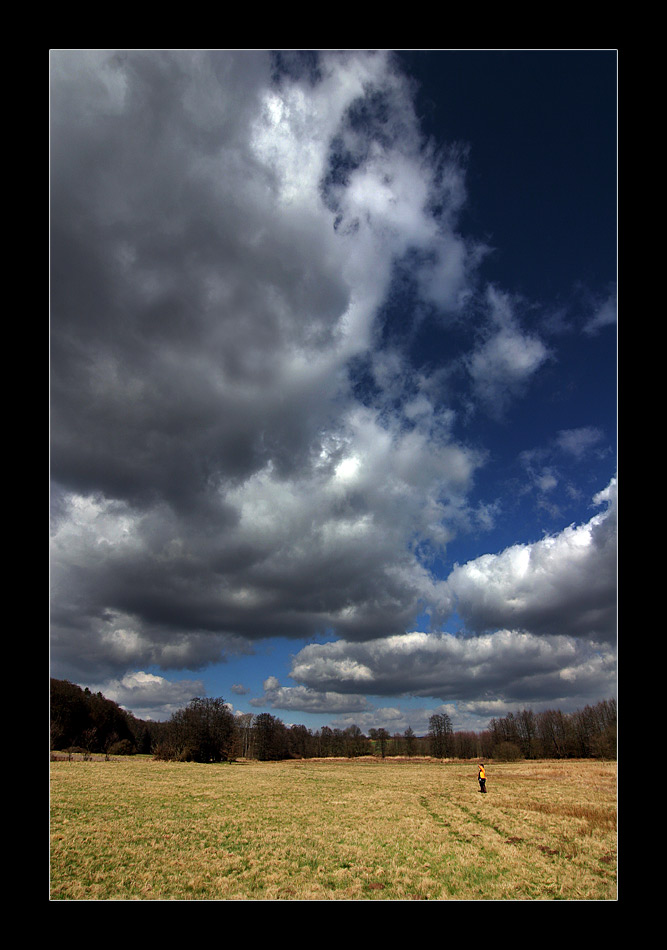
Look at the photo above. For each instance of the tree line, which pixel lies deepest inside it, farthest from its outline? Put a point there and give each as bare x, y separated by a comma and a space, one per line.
590, 732
207, 731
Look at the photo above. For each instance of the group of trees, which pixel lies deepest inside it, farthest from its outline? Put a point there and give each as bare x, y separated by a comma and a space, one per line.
590, 732
89, 721
441, 735
263, 737
207, 731
267, 738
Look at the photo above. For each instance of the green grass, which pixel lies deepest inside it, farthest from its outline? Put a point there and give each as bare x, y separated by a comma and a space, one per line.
363, 829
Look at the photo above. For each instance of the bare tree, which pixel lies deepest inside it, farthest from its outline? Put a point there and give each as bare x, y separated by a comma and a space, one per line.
441, 735
381, 737
409, 739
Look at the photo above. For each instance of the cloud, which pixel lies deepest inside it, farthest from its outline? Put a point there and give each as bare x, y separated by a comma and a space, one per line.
539, 626
224, 233
551, 467
148, 696
511, 666
579, 442
302, 699
506, 358
564, 584
605, 314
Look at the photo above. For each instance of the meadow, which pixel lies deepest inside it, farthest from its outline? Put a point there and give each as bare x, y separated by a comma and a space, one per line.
132, 828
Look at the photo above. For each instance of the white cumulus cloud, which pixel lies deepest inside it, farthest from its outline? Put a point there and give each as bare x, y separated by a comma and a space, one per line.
561, 584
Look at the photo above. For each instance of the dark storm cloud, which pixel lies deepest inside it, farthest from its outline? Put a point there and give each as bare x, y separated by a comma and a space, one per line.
215, 480
168, 281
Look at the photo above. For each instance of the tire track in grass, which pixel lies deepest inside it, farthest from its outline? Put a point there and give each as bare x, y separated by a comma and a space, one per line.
460, 871
553, 855
481, 820
507, 837
452, 827
477, 820
498, 871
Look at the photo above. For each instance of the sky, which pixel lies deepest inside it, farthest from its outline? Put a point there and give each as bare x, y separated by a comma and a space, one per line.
333, 381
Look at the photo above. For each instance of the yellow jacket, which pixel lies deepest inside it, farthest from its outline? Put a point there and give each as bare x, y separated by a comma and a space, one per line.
482, 773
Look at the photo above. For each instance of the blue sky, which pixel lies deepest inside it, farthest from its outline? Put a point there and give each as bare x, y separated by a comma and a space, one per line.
333, 381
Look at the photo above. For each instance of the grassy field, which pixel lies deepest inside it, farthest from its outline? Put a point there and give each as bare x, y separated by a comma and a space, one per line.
359, 829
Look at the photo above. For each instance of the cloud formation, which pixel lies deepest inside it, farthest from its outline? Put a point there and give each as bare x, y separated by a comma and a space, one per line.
605, 314
513, 666
303, 699
222, 243
241, 448
544, 615
506, 358
562, 584
150, 696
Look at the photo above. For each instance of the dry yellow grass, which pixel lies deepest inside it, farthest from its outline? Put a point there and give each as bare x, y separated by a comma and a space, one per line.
363, 829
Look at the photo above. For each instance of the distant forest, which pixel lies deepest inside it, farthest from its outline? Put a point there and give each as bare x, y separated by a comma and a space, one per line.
207, 731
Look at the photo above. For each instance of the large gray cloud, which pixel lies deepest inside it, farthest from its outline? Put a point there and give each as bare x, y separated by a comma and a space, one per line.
222, 241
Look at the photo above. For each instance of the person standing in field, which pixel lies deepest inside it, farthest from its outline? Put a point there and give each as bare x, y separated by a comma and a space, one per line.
481, 778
